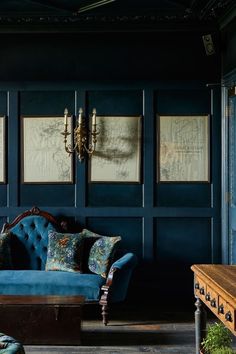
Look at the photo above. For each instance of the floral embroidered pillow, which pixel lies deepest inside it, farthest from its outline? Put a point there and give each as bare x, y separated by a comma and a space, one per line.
5, 251
101, 252
64, 252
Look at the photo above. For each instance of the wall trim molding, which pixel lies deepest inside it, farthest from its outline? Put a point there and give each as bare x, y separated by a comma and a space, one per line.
107, 23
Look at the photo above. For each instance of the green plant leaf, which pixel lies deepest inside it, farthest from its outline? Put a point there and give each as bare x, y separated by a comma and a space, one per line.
218, 336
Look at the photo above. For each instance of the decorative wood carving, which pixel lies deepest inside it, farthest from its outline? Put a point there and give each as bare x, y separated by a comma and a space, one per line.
104, 301
35, 211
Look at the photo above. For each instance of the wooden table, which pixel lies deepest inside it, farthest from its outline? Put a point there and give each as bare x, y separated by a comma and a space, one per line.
214, 286
42, 319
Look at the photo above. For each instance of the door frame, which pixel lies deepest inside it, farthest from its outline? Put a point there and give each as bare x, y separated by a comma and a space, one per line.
228, 82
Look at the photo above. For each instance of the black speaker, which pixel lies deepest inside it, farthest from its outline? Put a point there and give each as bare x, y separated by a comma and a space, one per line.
208, 44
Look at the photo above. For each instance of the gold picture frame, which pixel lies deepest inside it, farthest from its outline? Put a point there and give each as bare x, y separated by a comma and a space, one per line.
183, 148
2, 149
44, 157
117, 158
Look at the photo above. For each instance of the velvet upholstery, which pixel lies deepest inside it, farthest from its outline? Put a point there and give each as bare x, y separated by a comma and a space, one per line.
29, 242
29, 249
125, 265
35, 282
5, 251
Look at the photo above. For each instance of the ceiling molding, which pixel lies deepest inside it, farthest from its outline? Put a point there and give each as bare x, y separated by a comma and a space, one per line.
201, 14
99, 19
208, 9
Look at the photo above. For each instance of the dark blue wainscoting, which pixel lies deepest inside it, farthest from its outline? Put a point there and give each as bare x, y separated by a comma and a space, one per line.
183, 242
168, 225
47, 195
183, 195
119, 102
2, 222
3, 112
130, 230
116, 102
45, 102
3, 195
114, 195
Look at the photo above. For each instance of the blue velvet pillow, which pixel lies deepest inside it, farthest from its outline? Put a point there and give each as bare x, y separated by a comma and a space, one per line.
64, 252
101, 252
5, 251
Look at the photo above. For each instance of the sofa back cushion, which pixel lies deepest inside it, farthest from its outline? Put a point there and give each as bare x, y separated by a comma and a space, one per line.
5, 251
29, 242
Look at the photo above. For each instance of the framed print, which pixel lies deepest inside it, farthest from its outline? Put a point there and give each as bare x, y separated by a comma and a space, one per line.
44, 157
2, 150
117, 156
183, 148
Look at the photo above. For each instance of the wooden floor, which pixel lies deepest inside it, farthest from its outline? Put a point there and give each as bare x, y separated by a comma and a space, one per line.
131, 332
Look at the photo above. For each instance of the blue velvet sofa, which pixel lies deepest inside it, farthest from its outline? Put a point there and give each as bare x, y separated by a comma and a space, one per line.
29, 242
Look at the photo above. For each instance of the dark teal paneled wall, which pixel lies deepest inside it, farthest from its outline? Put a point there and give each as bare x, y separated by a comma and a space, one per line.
115, 103
3, 112
169, 226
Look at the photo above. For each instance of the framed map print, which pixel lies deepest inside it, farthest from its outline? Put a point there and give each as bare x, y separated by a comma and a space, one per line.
44, 157
183, 148
2, 150
117, 156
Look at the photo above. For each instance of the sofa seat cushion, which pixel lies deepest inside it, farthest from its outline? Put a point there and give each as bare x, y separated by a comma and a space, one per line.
38, 282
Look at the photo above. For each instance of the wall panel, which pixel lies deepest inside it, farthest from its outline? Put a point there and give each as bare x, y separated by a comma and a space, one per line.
130, 230
3, 112
3, 219
116, 102
183, 241
183, 195
183, 102
179, 243
46, 103
3, 195
114, 195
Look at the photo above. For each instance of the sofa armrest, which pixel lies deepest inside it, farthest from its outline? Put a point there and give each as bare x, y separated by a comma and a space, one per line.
118, 278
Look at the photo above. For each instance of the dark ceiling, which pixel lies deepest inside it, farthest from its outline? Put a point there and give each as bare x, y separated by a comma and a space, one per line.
94, 12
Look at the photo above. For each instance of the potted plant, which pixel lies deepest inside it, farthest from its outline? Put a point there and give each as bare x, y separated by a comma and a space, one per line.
218, 340
223, 350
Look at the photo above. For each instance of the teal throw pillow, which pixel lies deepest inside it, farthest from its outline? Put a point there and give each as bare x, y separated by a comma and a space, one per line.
64, 252
5, 251
101, 252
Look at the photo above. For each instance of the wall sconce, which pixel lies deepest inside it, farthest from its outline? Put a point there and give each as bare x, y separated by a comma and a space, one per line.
84, 139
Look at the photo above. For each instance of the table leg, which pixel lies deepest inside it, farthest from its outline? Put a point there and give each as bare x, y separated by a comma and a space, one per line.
200, 323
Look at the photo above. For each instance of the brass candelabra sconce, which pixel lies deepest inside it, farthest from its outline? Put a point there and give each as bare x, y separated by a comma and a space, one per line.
84, 139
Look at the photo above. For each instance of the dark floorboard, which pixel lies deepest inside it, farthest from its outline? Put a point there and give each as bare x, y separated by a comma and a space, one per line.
132, 331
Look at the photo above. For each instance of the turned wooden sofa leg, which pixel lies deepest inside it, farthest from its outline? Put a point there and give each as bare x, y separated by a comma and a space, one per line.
105, 314
106, 295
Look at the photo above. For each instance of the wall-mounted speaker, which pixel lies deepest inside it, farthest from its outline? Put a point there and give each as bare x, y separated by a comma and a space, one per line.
208, 44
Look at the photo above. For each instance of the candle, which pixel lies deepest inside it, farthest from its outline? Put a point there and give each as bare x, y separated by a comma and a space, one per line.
65, 116
80, 116
94, 117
